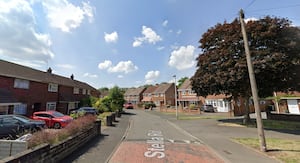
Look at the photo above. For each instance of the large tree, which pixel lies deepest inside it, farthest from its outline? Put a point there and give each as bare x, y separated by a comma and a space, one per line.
222, 67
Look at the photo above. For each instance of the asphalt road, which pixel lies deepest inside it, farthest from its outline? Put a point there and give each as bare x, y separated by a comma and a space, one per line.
151, 138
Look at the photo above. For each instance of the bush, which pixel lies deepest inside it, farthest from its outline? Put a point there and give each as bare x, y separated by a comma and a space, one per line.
192, 106
149, 105
54, 136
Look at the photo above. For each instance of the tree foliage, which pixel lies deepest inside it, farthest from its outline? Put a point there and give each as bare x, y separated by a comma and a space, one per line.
222, 67
181, 81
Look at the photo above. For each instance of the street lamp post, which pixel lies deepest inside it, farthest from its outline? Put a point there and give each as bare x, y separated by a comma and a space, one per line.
175, 96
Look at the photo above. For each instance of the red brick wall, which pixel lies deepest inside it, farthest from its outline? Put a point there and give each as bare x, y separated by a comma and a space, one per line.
37, 93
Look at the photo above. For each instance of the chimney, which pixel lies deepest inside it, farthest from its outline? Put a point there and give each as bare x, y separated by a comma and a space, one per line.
72, 77
49, 70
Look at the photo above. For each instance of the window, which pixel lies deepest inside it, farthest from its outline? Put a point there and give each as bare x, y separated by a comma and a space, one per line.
76, 90
89, 92
52, 87
20, 83
51, 106
83, 91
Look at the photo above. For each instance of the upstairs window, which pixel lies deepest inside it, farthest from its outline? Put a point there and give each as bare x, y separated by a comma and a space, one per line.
83, 91
21, 83
89, 92
52, 87
76, 90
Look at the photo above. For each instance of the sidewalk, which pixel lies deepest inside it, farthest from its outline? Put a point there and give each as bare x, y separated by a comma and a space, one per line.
218, 137
100, 148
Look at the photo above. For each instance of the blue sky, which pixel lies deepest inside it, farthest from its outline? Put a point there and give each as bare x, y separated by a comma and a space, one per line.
127, 43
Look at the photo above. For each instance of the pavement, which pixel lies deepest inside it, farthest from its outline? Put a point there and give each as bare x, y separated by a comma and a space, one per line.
99, 149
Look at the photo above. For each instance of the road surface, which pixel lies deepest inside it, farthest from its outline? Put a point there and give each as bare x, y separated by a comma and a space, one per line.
153, 139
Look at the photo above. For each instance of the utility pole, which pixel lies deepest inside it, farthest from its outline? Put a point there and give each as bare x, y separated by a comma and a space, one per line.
175, 97
260, 130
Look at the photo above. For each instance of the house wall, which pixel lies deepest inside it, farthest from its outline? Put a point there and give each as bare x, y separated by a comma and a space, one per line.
37, 96
239, 106
37, 93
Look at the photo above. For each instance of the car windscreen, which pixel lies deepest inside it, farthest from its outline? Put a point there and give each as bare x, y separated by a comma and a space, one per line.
22, 118
58, 114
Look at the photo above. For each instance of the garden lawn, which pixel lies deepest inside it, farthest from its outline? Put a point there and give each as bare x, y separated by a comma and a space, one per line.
285, 150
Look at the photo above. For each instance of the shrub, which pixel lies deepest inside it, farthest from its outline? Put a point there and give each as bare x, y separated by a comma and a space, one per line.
192, 106
52, 136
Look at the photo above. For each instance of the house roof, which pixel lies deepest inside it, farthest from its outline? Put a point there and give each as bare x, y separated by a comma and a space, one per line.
185, 85
134, 91
150, 89
162, 88
13, 70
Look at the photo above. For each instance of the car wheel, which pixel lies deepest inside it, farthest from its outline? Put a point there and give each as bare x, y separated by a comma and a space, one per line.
56, 125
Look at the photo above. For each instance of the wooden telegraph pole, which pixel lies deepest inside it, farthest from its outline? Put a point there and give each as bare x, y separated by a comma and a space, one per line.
260, 130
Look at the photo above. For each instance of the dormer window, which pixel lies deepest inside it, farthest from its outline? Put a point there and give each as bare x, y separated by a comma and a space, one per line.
52, 87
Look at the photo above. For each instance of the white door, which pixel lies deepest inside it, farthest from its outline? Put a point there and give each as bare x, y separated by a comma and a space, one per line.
293, 106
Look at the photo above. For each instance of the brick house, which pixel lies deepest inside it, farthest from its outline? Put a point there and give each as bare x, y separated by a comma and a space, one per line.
186, 96
164, 95
134, 95
287, 102
147, 94
27, 90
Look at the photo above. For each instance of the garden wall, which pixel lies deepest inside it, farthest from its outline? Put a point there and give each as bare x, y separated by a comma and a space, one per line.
50, 154
283, 116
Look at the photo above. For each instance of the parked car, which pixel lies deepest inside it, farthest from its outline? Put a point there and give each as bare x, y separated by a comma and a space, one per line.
53, 119
149, 105
128, 105
208, 108
86, 111
13, 126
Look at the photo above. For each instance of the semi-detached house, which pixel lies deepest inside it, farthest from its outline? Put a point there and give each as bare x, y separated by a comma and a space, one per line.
24, 90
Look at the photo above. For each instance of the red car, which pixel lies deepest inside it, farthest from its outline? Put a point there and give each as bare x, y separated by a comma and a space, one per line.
128, 105
52, 118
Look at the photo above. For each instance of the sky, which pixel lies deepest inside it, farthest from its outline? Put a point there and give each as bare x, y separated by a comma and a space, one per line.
124, 43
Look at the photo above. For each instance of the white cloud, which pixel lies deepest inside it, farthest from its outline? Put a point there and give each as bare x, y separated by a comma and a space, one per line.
90, 75
19, 40
178, 32
151, 76
250, 19
149, 36
120, 76
105, 65
137, 43
165, 23
183, 58
66, 16
65, 66
160, 48
111, 38
123, 66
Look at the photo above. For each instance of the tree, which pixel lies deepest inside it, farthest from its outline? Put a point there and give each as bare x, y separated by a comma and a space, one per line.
181, 81
117, 98
222, 68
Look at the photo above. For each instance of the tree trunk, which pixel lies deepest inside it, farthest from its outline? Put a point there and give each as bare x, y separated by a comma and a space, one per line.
246, 119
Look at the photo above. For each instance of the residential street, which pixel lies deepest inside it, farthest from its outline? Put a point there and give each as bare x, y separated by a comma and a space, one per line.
151, 136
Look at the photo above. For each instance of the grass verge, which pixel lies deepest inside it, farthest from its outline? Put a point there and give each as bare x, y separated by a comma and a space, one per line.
285, 150
273, 124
